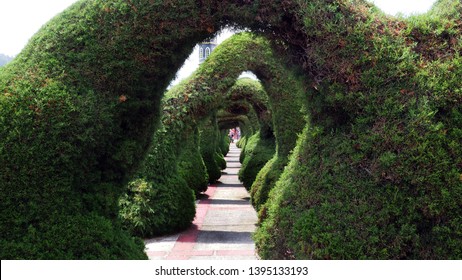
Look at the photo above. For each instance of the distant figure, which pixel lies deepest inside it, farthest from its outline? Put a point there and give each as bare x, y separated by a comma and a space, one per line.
234, 134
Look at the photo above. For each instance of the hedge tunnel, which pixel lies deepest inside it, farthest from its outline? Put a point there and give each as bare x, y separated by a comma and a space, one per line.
376, 172
192, 105
251, 92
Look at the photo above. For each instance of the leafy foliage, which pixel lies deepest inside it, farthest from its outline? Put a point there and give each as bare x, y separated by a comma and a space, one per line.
208, 146
265, 181
224, 142
149, 210
258, 150
191, 166
186, 107
376, 172
159, 201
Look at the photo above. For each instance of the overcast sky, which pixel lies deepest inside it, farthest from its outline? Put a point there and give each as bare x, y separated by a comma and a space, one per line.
20, 19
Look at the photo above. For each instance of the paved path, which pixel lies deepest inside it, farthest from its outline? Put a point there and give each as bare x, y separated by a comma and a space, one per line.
223, 226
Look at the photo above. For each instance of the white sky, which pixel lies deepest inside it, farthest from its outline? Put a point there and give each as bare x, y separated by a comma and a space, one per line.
406, 7
20, 19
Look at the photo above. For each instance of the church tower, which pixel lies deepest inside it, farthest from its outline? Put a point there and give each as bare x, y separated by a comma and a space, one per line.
206, 48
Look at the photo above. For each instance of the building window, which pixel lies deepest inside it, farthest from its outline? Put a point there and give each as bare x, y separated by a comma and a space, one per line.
201, 53
207, 52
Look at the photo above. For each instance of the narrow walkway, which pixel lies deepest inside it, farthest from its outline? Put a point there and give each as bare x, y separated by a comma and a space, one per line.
223, 225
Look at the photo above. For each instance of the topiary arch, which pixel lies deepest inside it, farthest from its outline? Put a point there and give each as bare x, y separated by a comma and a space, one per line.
376, 174
194, 103
251, 92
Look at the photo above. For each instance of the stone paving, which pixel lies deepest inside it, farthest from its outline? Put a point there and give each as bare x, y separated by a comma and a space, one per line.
223, 227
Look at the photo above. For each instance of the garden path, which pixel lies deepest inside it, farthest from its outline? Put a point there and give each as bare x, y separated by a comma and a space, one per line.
223, 227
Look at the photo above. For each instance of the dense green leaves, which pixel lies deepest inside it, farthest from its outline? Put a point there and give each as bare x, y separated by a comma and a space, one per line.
208, 147
257, 151
191, 166
371, 176
375, 174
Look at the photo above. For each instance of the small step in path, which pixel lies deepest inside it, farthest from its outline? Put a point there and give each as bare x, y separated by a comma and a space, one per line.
223, 227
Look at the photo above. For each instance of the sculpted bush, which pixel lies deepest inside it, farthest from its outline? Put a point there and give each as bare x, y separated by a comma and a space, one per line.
376, 172
191, 166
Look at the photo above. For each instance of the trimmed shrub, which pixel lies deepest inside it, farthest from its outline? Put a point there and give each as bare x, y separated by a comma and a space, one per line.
182, 110
375, 174
91, 230
266, 179
191, 166
220, 160
241, 143
224, 142
257, 151
159, 201
150, 210
208, 147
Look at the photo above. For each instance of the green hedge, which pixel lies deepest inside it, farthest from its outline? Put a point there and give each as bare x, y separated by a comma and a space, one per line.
78, 110
375, 175
288, 122
151, 209
258, 151
208, 147
265, 181
224, 142
191, 165
54, 240
251, 93
159, 201
241, 143
220, 159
